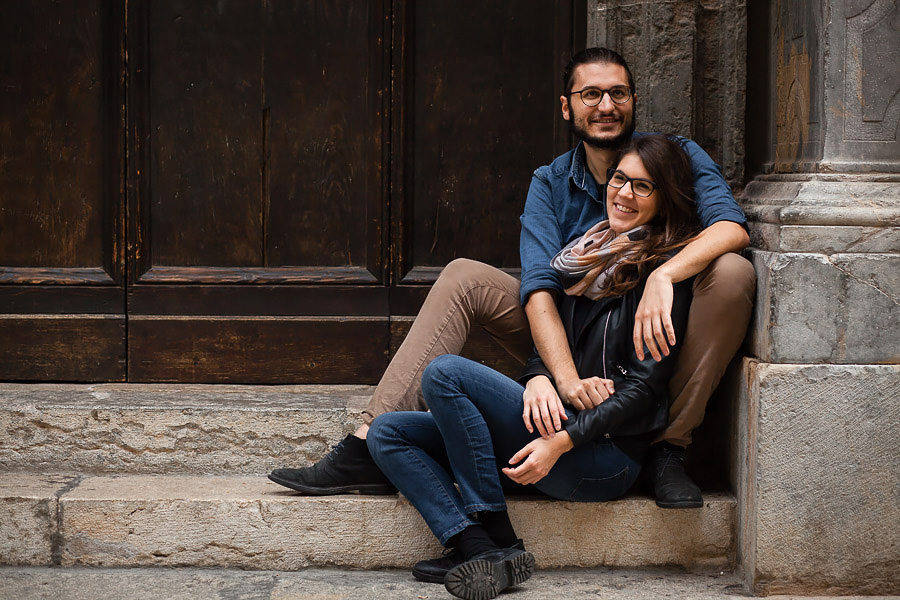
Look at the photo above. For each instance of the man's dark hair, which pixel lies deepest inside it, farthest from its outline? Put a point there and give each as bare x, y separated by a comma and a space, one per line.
590, 56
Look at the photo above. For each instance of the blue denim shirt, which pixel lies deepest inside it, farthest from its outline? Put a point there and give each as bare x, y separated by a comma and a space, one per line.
564, 201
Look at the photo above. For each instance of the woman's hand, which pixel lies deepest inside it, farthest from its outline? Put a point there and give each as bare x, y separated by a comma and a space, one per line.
543, 406
537, 458
584, 394
653, 319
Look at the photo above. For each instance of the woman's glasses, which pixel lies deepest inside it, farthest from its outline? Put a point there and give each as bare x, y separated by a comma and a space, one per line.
618, 179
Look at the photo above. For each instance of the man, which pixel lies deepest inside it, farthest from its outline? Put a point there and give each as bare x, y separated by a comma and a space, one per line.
564, 200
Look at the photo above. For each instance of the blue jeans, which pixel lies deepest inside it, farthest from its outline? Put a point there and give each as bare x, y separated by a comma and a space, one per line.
474, 427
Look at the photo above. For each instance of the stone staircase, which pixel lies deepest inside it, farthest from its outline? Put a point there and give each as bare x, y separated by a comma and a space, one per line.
174, 475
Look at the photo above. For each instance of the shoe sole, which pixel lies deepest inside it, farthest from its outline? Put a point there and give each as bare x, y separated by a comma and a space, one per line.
365, 489
681, 504
484, 579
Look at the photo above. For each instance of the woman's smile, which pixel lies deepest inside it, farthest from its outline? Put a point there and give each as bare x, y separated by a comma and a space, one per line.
625, 209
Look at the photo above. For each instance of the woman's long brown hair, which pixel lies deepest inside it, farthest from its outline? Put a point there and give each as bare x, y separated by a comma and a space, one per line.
676, 221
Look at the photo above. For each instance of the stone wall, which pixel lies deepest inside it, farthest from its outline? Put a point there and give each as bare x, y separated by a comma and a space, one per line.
816, 466
689, 65
816, 401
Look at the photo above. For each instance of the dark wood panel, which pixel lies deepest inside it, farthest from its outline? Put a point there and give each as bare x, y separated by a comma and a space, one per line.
68, 299
60, 134
55, 276
482, 115
206, 124
479, 347
70, 348
269, 300
257, 349
325, 79
257, 275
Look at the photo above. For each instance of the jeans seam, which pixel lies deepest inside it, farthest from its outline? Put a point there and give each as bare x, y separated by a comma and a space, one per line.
619, 475
412, 452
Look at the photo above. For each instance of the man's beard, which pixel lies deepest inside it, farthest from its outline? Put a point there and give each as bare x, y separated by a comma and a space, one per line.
604, 143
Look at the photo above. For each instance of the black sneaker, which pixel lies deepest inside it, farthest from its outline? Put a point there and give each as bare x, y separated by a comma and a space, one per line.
671, 484
436, 569
489, 573
347, 468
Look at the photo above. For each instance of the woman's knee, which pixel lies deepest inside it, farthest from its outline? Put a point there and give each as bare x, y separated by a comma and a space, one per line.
383, 430
441, 373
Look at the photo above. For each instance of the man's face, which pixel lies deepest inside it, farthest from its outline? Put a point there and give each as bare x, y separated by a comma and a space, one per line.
607, 125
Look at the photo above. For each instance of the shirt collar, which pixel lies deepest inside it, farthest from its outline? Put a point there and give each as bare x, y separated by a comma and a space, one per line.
579, 174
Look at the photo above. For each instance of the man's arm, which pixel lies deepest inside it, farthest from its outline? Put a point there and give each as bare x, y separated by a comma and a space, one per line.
549, 337
653, 321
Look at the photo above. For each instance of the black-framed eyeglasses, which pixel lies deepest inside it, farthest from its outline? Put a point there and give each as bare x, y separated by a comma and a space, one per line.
592, 96
618, 179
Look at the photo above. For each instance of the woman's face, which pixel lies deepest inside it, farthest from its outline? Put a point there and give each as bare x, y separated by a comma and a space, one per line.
627, 209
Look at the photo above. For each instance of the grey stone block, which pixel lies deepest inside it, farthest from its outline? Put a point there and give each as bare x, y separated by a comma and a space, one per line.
146, 520
28, 518
818, 478
812, 308
172, 428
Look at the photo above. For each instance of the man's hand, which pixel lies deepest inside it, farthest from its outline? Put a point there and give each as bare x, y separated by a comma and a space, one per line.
537, 458
542, 405
653, 319
583, 394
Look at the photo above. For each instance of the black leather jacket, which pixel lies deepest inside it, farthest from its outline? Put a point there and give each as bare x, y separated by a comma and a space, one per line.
600, 338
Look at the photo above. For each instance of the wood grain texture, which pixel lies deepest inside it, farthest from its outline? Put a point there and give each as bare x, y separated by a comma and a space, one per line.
325, 79
257, 349
482, 115
60, 135
62, 347
69, 299
205, 119
262, 300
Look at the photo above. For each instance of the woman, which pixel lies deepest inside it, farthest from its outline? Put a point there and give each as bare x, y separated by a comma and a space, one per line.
475, 428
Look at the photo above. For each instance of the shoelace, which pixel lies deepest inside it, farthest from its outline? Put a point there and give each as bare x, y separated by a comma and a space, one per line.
672, 458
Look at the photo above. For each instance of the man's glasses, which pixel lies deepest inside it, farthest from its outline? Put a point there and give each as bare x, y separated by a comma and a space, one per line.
618, 179
592, 96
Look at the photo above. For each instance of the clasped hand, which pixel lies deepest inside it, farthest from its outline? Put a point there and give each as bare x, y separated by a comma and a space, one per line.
536, 459
544, 408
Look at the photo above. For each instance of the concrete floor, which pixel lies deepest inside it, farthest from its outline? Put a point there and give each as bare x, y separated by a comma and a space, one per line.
54, 583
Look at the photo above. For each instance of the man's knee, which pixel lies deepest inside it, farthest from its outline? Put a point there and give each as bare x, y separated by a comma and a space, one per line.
462, 274
730, 278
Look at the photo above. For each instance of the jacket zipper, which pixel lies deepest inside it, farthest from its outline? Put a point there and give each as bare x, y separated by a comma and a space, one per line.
605, 329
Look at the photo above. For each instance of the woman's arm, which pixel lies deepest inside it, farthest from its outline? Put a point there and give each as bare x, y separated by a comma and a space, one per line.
653, 323
537, 458
642, 388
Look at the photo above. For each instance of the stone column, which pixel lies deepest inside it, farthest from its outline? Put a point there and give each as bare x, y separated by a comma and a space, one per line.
817, 466
688, 60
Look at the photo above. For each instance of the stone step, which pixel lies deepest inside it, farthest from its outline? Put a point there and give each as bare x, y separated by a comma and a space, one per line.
137, 428
250, 523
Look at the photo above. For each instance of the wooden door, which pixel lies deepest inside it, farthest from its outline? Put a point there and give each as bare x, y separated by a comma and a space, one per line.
62, 309
257, 193
267, 189
476, 112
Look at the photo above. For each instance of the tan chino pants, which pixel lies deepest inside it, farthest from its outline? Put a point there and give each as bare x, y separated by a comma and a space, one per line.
469, 292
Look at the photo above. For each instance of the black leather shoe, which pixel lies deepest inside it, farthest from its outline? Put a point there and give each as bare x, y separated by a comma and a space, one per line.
671, 484
486, 575
435, 569
347, 468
